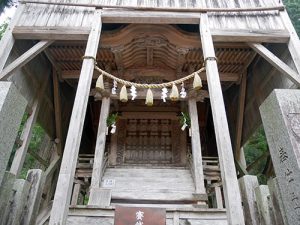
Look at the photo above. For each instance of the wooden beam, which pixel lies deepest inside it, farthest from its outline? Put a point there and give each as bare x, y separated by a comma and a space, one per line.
38, 158
276, 62
57, 109
232, 196
240, 116
268, 36
219, 35
24, 59
151, 17
54, 164
69, 161
196, 148
99, 149
293, 43
51, 33
7, 41
118, 59
19, 158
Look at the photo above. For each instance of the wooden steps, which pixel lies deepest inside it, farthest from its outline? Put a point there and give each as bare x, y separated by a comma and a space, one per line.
150, 185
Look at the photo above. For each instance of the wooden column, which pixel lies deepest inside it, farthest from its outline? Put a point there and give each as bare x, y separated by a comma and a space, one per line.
196, 148
68, 165
229, 178
100, 147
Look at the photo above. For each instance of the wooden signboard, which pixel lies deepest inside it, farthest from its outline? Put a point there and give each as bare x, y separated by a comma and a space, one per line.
139, 216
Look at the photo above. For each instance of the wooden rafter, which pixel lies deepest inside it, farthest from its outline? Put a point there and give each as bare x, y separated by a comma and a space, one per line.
276, 62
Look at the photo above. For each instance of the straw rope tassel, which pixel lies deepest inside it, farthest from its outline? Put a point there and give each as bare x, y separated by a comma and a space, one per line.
123, 94
174, 96
149, 98
197, 84
100, 84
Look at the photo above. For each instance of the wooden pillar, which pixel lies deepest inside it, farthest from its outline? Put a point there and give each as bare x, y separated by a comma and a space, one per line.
63, 192
100, 147
7, 41
229, 178
294, 43
196, 148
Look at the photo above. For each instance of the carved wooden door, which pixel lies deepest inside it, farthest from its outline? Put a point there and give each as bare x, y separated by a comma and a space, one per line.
150, 141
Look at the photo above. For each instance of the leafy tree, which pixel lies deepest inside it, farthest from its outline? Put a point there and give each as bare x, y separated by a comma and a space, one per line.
3, 27
6, 3
293, 8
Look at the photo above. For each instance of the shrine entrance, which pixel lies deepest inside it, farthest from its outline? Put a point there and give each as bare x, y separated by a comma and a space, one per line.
150, 139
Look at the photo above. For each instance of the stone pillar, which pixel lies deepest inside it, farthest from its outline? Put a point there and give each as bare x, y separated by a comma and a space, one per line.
280, 114
12, 108
247, 185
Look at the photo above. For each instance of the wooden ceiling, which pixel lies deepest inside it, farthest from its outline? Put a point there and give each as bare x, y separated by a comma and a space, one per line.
137, 50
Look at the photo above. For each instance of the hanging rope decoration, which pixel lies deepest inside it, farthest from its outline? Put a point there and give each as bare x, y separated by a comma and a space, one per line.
174, 95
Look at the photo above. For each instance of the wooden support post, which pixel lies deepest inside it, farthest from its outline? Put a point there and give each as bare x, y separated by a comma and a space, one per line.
75, 194
276, 62
21, 152
240, 117
69, 161
24, 58
196, 148
57, 109
294, 42
229, 178
100, 147
7, 41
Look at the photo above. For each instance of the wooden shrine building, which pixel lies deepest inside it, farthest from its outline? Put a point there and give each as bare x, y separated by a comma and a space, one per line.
48, 56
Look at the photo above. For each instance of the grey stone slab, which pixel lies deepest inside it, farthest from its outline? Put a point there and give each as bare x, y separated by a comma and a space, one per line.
6, 192
36, 179
261, 194
12, 108
280, 114
15, 209
100, 197
247, 185
275, 203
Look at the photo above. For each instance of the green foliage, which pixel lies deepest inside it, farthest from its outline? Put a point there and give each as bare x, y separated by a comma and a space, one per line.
3, 27
293, 8
185, 118
254, 148
111, 119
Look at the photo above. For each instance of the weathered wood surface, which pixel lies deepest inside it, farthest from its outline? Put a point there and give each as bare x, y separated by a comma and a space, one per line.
24, 58
150, 184
229, 180
276, 62
69, 161
196, 148
51, 15
100, 144
7, 41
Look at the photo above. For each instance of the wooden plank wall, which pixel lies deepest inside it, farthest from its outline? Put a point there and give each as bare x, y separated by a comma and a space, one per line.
262, 79
70, 16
